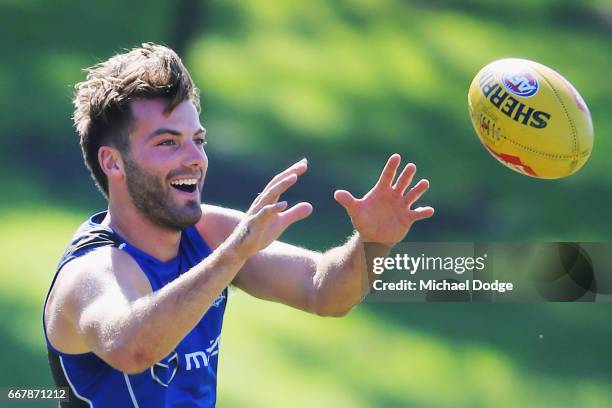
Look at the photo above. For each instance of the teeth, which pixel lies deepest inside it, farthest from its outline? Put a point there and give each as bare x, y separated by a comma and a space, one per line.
188, 182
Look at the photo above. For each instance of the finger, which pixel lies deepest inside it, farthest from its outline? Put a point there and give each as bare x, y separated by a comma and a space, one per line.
296, 213
268, 210
345, 199
388, 173
271, 194
421, 213
405, 178
298, 169
417, 191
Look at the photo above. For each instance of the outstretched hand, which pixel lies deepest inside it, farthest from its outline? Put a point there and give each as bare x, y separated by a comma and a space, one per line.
384, 214
267, 218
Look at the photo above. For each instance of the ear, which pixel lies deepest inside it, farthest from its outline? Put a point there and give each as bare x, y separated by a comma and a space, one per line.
110, 161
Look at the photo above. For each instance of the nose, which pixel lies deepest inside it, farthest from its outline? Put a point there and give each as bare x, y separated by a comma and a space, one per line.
195, 157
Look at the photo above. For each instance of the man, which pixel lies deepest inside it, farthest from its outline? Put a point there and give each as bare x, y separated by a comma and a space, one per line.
134, 313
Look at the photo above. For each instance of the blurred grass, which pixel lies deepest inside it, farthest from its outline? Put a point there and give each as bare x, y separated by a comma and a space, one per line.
406, 355
366, 361
343, 83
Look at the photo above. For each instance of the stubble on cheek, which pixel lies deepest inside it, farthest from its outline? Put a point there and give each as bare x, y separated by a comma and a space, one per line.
154, 199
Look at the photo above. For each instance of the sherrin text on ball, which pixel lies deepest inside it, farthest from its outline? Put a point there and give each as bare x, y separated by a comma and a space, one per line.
530, 118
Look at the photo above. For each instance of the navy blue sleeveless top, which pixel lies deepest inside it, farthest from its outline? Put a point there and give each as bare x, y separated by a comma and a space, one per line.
187, 377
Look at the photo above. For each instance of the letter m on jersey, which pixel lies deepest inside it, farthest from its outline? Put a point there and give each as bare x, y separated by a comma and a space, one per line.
195, 357
205, 356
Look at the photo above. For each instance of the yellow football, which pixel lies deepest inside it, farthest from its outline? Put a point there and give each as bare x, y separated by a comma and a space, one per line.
530, 118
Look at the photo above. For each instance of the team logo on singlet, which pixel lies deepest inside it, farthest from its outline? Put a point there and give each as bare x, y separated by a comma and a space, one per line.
163, 372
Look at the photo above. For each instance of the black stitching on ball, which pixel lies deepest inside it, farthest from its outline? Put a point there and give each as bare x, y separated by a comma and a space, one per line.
569, 119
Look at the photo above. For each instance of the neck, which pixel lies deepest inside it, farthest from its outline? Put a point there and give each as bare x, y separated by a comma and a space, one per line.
159, 242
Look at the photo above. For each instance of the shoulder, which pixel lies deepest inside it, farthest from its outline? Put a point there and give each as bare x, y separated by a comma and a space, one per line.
103, 272
101, 267
217, 223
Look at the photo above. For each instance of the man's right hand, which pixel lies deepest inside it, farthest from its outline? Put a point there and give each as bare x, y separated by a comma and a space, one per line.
267, 218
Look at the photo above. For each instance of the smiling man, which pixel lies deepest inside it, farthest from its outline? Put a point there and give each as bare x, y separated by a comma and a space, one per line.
134, 313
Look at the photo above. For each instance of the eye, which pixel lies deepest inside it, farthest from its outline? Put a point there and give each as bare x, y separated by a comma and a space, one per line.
200, 141
167, 142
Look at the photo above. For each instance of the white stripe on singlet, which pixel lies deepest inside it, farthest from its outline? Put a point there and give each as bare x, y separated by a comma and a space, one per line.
129, 385
79, 396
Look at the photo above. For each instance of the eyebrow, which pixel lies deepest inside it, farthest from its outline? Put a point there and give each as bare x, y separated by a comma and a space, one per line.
163, 131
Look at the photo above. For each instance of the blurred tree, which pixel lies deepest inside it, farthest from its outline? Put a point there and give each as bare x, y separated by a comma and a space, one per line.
188, 23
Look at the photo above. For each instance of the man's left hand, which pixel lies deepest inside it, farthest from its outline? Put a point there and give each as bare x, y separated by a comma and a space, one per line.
384, 214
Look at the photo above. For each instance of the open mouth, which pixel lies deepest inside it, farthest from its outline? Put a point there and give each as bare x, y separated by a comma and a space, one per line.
187, 185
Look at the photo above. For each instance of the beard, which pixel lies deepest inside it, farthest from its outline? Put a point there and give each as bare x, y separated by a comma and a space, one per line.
153, 198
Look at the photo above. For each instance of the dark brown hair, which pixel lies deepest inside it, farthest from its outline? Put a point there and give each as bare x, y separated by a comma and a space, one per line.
102, 114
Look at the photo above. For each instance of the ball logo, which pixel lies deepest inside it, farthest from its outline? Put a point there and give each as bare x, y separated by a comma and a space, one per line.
521, 83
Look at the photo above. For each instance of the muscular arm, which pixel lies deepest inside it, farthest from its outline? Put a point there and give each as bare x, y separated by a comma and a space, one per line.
327, 284
105, 298
330, 284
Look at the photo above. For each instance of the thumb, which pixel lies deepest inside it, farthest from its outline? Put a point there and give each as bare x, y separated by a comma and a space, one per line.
345, 199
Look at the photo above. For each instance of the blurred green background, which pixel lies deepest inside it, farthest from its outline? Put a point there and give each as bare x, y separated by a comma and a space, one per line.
343, 83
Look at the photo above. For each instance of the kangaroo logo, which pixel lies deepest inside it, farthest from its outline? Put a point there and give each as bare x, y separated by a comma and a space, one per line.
163, 372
